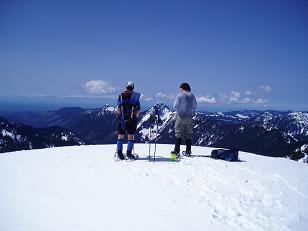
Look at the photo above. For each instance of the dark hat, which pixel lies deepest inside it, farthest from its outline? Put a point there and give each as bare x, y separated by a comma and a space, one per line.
185, 86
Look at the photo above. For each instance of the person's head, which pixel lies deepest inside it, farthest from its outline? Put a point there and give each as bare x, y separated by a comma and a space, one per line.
130, 86
185, 87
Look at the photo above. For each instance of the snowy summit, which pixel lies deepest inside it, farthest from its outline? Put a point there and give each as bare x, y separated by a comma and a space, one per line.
83, 188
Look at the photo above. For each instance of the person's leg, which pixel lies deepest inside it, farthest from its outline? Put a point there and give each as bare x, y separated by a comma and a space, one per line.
178, 134
120, 142
177, 146
131, 129
188, 134
130, 143
188, 147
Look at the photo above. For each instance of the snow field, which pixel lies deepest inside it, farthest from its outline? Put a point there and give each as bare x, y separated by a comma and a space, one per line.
83, 188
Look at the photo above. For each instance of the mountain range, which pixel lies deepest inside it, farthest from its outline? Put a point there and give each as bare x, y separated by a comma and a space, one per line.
15, 136
269, 133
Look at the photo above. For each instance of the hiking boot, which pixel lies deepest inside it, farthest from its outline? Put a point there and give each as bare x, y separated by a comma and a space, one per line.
188, 147
119, 155
129, 155
188, 154
177, 145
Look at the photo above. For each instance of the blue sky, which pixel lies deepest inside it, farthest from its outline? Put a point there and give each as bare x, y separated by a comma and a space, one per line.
241, 53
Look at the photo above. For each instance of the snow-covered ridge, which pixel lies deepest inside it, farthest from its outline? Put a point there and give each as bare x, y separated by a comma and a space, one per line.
278, 133
14, 136
159, 117
300, 117
9, 132
300, 120
83, 188
242, 116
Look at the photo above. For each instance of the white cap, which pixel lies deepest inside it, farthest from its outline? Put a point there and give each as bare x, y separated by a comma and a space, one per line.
130, 84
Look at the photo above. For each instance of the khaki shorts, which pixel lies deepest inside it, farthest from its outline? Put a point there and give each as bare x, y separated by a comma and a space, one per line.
183, 127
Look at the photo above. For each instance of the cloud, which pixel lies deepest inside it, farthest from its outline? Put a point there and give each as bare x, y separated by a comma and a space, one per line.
99, 87
258, 95
234, 97
246, 100
206, 99
266, 88
162, 95
254, 96
235, 94
261, 101
146, 97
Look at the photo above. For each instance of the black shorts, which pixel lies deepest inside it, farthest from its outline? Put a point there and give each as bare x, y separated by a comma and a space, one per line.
130, 127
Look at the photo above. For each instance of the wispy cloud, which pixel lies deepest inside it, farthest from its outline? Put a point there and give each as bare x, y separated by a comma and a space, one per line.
258, 95
234, 97
99, 87
161, 95
206, 99
261, 101
252, 96
266, 88
146, 97
246, 100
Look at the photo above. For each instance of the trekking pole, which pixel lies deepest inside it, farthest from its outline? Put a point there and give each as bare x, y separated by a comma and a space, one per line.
150, 134
155, 139
158, 122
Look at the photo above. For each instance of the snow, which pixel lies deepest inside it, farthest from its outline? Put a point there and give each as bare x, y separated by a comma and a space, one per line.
300, 117
266, 119
19, 138
303, 150
65, 138
304, 159
106, 109
242, 116
7, 133
110, 109
166, 116
143, 119
83, 188
144, 132
301, 121
304, 147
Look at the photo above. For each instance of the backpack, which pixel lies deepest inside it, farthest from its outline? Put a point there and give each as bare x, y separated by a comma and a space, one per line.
129, 101
225, 154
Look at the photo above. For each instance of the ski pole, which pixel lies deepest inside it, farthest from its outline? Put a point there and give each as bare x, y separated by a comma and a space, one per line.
155, 138
150, 134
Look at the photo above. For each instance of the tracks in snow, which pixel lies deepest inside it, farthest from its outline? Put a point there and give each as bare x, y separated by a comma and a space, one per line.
228, 192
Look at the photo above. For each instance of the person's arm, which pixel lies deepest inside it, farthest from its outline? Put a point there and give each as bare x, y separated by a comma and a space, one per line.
137, 108
194, 105
136, 98
119, 111
176, 102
